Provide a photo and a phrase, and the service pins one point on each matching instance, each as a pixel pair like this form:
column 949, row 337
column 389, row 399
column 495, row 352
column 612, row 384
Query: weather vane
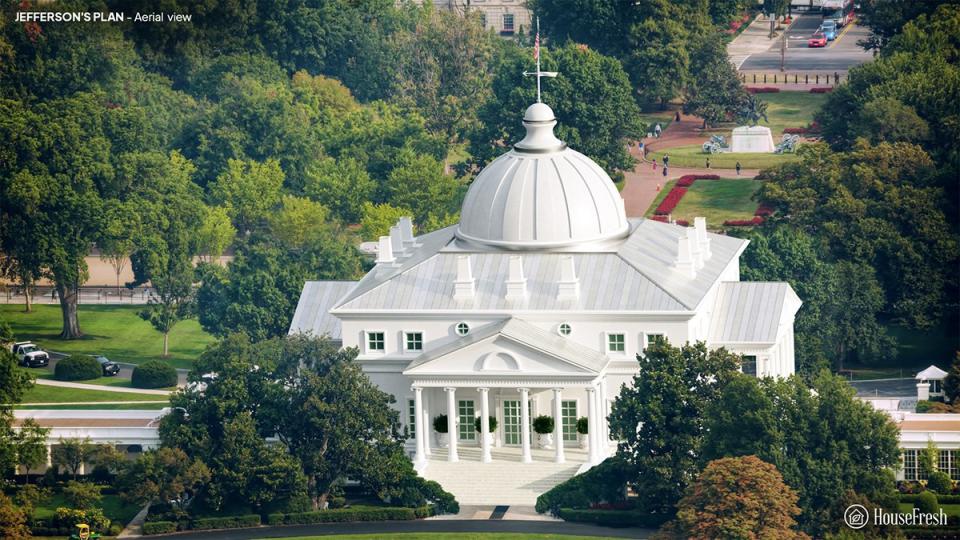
column 536, row 56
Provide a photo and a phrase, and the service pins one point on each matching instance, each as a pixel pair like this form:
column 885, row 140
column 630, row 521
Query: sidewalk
column 753, row 40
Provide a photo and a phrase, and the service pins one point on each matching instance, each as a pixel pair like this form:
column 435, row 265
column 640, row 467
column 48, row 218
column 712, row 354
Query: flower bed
column 821, row 90
column 682, row 222
column 757, row 220
column 661, row 219
column 359, row 513
column 687, row 180
column 763, row 210
column 794, row 131
column 670, row 201
column 764, row 89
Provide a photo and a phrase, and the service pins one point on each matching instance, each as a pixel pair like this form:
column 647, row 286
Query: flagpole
column 538, row 60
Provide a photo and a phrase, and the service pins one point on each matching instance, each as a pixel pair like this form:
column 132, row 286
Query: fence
column 85, row 295
column 830, row 79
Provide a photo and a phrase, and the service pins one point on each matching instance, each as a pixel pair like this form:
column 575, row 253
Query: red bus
column 839, row 11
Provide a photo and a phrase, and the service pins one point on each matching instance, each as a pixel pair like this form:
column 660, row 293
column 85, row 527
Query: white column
column 525, row 425
column 592, row 443
column 49, row 456
column 604, row 412
column 558, row 425
column 452, row 430
column 484, row 425
column 427, row 424
column 419, row 425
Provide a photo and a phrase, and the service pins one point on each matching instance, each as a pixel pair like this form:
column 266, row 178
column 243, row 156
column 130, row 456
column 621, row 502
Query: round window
column 565, row 329
column 463, row 329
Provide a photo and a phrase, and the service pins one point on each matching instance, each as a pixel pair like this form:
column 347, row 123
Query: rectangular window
column 568, row 415
column 947, row 463
column 652, row 338
column 511, row 422
column 376, row 341
column 483, row 20
column 467, row 415
column 616, row 343
column 414, row 341
column 910, row 469
column 508, row 23
column 411, row 418
column 749, row 365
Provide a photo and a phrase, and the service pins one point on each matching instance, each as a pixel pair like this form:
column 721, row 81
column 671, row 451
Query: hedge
column 79, row 367
column 613, row 518
column 943, row 499
column 159, row 527
column 763, row 89
column 931, row 533
column 357, row 513
column 228, row 522
column 821, row 90
column 153, row 374
column 757, row 220
column 605, row 483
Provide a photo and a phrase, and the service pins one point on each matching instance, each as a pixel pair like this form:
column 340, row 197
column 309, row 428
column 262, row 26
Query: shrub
column 757, row 220
column 583, row 425
column 821, row 90
column 227, row 522
column 79, row 367
column 543, row 424
column 159, row 527
column 605, row 483
column 795, row 131
column 68, row 517
column 82, row 495
column 763, row 89
column 154, row 374
column 613, row 518
column 763, row 210
column 440, row 424
column 492, row 425
column 345, row 515
column 940, row 483
column 927, row 502
column 682, row 222
column 670, row 202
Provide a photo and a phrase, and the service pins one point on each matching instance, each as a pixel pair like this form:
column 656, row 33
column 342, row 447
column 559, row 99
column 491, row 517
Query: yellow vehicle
column 83, row 533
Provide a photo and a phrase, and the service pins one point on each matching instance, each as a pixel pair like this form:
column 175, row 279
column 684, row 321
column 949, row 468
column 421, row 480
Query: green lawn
column 948, row 509
column 115, row 381
column 98, row 407
column 716, row 200
column 55, row 394
column 115, row 331
column 790, row 109
column 650, row 119
column 693, row 156
column 113, row 507
column 444, row 536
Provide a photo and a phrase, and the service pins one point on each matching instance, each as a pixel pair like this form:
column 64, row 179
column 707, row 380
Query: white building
column 543, row 293
column 506, row 17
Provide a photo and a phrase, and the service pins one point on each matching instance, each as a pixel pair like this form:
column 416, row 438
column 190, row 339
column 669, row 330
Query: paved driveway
column 840, row 55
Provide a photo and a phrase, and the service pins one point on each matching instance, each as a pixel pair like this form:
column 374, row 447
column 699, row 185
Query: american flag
column 536, row 47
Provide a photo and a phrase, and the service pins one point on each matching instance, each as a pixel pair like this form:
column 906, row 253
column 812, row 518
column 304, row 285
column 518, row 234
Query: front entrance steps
column 505, row 481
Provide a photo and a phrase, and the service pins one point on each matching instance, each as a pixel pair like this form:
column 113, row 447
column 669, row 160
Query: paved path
column 126, row 370
column 753, row 40
column 388, row 528
column 134, row 529
column 642, row 184
column 85, row 403
column 102, row 388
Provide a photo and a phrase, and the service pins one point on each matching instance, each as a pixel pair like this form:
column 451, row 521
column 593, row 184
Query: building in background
column 506, row 17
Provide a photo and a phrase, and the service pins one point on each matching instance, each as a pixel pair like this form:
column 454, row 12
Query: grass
column 115, row 331
column 948, row 509
column 56, row 394
column 444, row 536
column 915, row 351
column 98, row 407
column 113, row 507
column 693, row 156
column 790, row 109
column 650, row 119
column 116, row 381
column 716, row 200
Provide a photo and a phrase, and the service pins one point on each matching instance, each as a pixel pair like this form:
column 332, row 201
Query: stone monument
column 752, row 138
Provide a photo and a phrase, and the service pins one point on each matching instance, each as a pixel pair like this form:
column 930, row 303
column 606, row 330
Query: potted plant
column 543, row 426
column 440, row 426
column 491, row 427
column 582, row 430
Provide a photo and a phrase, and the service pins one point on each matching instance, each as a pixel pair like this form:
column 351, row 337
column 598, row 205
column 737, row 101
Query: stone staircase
column 506, row 481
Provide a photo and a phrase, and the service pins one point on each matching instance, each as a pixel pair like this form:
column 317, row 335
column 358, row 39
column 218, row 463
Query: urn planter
column 545, row 441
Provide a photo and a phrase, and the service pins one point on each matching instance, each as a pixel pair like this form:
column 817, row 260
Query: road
column 126, row 370
column 839, row 55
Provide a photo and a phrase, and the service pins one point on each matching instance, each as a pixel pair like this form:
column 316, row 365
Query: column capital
column 591, row 389
column 527, row 390
column 483, row 390
column 416, row 387
column 558, row 389
column 449, row 389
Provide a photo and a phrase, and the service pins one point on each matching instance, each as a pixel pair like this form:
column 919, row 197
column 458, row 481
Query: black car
column 109, row 368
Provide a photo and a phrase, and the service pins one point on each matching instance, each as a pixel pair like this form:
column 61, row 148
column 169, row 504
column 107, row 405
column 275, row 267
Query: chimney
column 685, row 263
column 700, row 224
column 569, row 288
column 695, row 248
column 385, row 251
column 406, row 232
column 463, row 285
column 396, row 240
column 516, row 283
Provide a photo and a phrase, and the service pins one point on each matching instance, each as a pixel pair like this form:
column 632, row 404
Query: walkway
column 755, row 39
column 641, row 184
column 102, row 388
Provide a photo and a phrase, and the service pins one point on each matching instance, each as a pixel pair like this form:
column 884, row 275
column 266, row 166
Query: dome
column 541, row 194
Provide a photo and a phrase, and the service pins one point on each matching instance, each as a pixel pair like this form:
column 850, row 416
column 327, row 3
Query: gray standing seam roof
column 313, row 309
column 749, row 312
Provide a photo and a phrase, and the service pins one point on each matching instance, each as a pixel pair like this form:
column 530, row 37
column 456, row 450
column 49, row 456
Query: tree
column 929, row 458
column 13, row 520
column 659, row 419
column 739, row 497
column 14, row 382
column 342, row 185
column 117, row 239
column 248, row 190
column 31, row 446
column 951, row 384
column 378, row 218
column 72, row 454
column 215, row 234
column 741, row 421
column 417, row 182
column 165, row 474
column 714, row 92
column 82, row 495
column 887, row 18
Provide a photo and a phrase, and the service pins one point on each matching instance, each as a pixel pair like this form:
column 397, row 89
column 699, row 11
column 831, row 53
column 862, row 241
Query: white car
column 29, row 355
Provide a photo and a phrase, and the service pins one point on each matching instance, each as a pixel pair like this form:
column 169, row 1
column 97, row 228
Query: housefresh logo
column 856, row 516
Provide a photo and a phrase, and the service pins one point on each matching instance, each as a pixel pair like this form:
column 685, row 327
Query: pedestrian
column 654, row 163
column 642, row 148
column 708, row 163
column 738, row 168
column 657, row 129
column 677, row 118
column 664, row 170
column 658, row 186
column 666, row 160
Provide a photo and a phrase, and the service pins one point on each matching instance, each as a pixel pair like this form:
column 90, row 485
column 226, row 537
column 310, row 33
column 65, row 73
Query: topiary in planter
column 927, row 502
column 440, row 424
column 154, row 374
column 79, row 367
column 492, row 424
column 582, row 425
column 543, row 424
column 940, row 482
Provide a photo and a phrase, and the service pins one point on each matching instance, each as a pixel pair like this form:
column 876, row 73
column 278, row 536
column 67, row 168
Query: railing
column 85, row 295
column 829, row 79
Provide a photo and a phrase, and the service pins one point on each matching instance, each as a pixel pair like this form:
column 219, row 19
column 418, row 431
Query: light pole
column 783, row 51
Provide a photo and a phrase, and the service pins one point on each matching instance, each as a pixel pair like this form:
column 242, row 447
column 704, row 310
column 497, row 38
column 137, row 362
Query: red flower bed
column 795, row 131
column 661, row 219
column 763, row 210
column 671, row 200
column 814, row 127
column 682, row 223
column 821, row 90
column 687, row 180
column 764, row 89
column 757, row 220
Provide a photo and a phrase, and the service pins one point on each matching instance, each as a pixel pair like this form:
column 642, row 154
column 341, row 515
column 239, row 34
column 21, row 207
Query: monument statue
column 752, row 111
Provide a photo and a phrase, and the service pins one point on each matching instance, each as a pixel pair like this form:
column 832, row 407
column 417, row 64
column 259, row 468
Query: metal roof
column 524, row 333
column 637, row 276
column 313, row 310
column 931, row 373
column 751, row 312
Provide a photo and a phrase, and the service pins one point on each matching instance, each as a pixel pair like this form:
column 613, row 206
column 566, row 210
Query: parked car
column 109, row 367
column 817, row 40
column 29, row 355
column 829, row 29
